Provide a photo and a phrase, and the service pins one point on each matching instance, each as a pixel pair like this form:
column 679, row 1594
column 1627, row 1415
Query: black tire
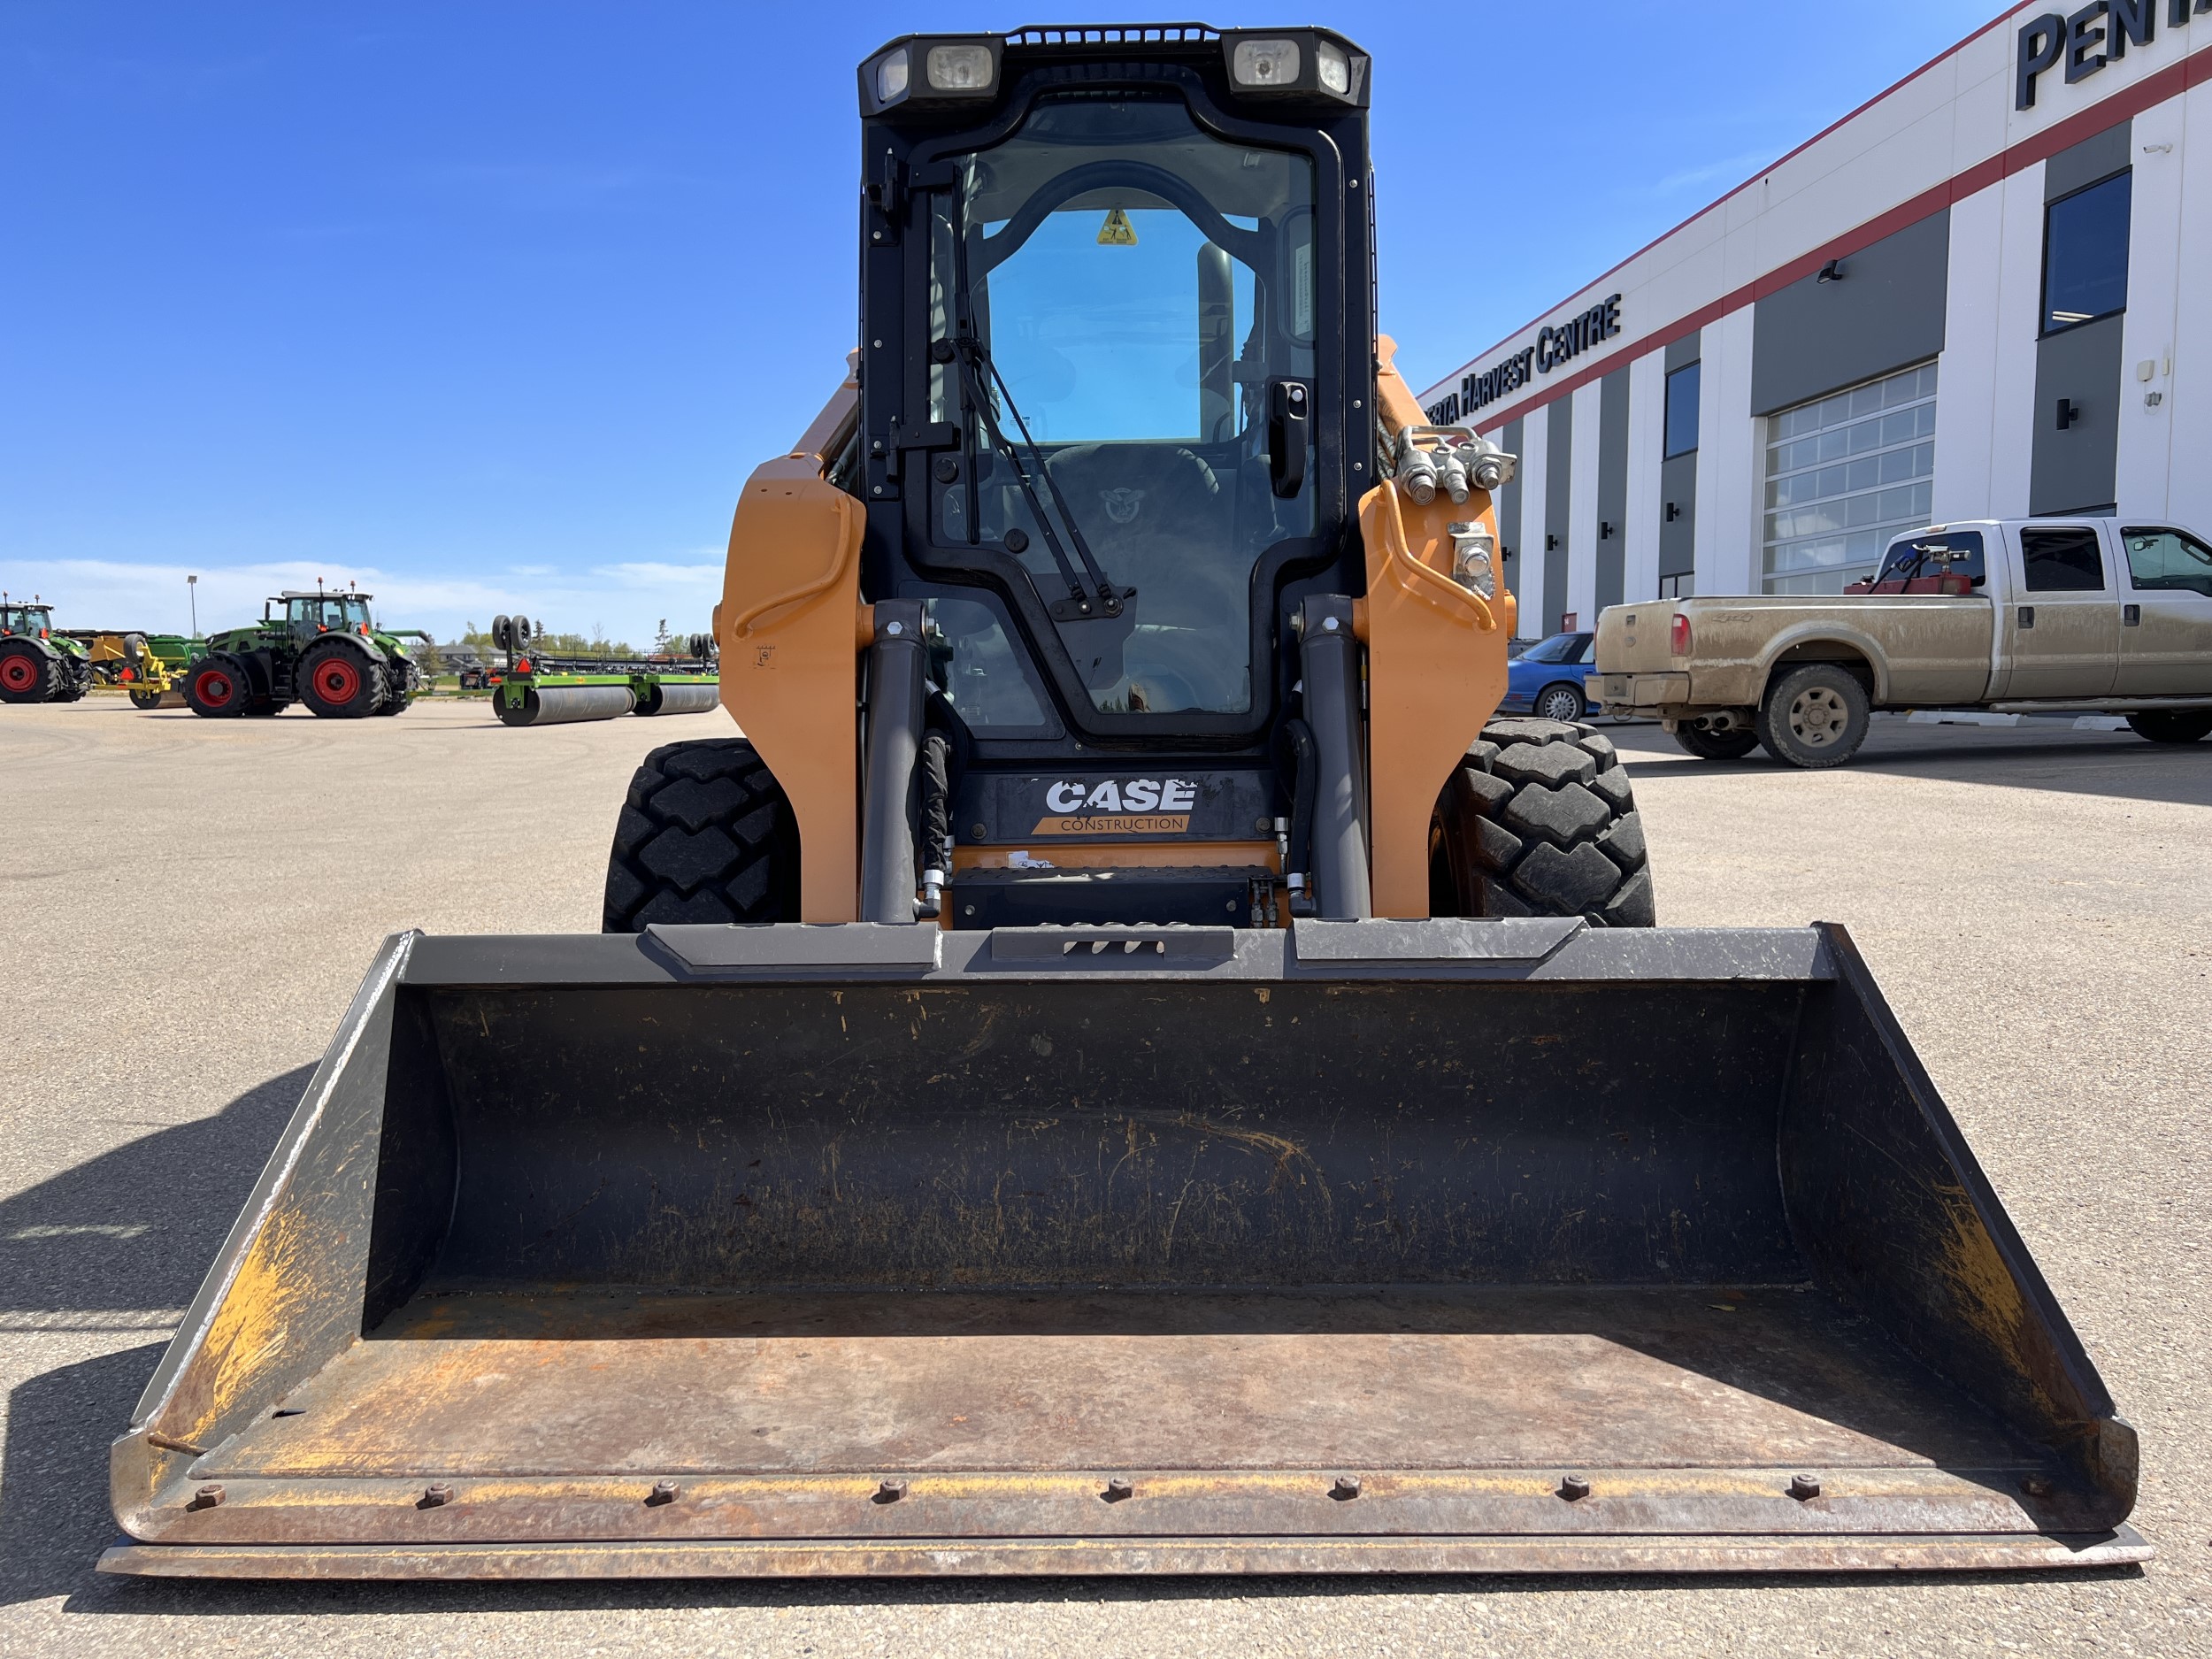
column 401, row 681
column 339, row 682
column 27, row 673
column 216, row 688
column 2171, row 726
column 1563, row 701
column 1540, row 821
column 1732, row 745
column 72, row 679
column 1815, row 716
column 706, row 836
column 145, row 699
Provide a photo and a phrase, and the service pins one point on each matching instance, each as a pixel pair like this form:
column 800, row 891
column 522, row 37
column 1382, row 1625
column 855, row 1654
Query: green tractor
column 320, row 649
column 36, row 663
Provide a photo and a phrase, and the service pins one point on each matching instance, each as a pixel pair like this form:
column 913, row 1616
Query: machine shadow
column 2115, row 764
column 116, row 1244
column 230, row 1599
column 134, row 1229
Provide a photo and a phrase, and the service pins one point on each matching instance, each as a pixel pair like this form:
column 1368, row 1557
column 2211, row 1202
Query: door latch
column 2131, row 616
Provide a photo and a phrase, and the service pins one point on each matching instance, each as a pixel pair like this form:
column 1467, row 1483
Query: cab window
column 1928, row 553
column 2061, row 559
column 2162, row 560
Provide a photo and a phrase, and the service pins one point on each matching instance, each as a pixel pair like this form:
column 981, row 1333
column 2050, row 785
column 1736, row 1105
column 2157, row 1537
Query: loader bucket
column 1500, row 1246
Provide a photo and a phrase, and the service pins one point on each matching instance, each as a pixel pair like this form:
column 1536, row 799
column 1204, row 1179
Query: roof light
column 892, row 73
column 1264, row 63
column 959, row 68
column 1335, row 68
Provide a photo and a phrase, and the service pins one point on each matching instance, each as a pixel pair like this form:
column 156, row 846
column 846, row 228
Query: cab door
column 2166, row 614
column 2061, row 624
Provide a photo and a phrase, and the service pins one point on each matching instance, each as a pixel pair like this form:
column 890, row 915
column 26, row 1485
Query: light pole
column 192, row 594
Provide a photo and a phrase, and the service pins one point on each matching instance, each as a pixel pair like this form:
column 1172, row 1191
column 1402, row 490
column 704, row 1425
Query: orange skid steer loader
column 1171, row 1084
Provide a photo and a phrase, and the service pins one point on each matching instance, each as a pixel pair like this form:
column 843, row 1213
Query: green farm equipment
column 321, row 649
column 534, row 689
column 36, row 663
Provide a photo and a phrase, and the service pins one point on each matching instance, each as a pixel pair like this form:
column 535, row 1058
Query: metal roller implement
column 679, row 698
column 558, row 705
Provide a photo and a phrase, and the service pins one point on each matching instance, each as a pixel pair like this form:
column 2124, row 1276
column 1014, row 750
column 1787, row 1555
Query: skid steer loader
column 1126, row 1066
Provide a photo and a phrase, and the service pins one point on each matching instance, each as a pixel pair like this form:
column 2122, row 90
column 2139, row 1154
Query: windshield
column 327, row 610
column 1139, row 297
column 1561, row 648
column 26, row 618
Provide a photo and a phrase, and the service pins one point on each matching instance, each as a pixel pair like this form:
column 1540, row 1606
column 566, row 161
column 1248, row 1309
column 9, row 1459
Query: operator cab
column 325, row 613
column 31, row 621
column 1112, row 314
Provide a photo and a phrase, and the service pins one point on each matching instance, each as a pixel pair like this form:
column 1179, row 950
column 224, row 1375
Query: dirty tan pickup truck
column 2087, row 615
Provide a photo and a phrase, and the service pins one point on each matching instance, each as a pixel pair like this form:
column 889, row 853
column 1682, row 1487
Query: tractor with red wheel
column 36, row 663
column 322, row 649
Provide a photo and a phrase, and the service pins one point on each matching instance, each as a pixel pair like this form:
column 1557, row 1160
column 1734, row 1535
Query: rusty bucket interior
column 1668, row 1261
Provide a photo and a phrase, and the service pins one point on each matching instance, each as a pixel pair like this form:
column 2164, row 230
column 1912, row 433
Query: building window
column 2086, row 255
column 1682, row 587
column 1682, row 411
column 1843, row 476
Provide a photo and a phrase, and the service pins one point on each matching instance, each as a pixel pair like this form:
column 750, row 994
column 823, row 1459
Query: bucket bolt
column 889, row 1491
column 2035, row 1486
column 1116, row 1489
column 1803, row 1487
column 1574, row 1488
column 207, row 1497
column 1345, row 1489
column 435, row 1496
column 664, row 1492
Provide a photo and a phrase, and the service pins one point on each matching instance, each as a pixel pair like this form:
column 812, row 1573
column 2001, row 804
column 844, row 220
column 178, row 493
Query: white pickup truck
column 2024, row 615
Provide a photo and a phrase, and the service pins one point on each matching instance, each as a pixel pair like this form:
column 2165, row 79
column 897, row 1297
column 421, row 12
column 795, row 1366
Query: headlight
column 959, row 68
column 1311, row 63
column 891, row 77
column 924, row 74
column 1270, row 64
column 1335, row 68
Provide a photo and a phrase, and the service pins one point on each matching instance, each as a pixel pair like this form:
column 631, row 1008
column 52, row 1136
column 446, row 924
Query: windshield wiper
column 973, row 356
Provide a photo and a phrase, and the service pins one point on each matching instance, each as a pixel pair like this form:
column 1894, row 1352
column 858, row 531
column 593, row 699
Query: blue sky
column 494, row 305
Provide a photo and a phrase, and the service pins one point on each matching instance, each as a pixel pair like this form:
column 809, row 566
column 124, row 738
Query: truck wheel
column 338, row 683
column 1561, row 701
column 1540, row 821
column 1732, row 745
column 215, row 688
column 2171, row 726
column 1815, row 716
column 706, row 836
column 27, row 674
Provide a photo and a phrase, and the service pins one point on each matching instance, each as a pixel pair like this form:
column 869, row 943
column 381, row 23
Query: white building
column 1984, row 294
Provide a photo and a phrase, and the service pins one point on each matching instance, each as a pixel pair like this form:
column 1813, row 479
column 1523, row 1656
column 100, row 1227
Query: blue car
column 1549, row 678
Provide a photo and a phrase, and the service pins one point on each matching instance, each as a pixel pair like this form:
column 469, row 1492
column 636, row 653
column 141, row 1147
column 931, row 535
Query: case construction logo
column 1120, row 806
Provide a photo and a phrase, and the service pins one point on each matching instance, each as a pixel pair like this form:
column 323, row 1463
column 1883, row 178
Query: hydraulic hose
column 935, row 773
column 1297, row 737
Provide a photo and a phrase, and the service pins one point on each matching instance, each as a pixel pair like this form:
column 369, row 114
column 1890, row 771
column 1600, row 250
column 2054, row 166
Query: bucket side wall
column 1888, row 1202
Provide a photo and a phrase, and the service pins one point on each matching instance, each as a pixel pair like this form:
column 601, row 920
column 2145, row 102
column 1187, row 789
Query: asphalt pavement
column 186, row 907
